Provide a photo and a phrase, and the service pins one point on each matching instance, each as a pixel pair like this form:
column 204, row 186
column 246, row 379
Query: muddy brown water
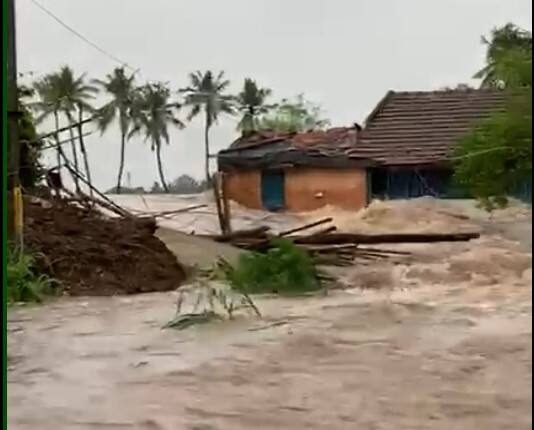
column 445, row 343
column 345, row 361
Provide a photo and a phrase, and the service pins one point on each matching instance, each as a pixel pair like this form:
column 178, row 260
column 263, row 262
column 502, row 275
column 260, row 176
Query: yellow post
column 18, row 216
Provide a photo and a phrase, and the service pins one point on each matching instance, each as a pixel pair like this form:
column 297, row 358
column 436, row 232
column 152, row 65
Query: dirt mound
column 94, row 255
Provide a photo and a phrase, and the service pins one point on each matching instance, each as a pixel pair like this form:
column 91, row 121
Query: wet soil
column 93, row 255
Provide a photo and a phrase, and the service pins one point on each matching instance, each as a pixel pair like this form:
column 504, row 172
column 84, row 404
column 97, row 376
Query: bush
column 24, row 283
column 283, row 269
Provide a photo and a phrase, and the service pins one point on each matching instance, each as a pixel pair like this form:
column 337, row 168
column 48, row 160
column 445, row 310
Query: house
column 403, row 151
column 296, row 171
column 411, row 134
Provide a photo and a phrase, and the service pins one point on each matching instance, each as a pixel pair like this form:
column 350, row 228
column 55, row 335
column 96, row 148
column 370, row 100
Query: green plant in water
column 24, row 283
column 283, row 269
column 210, row 301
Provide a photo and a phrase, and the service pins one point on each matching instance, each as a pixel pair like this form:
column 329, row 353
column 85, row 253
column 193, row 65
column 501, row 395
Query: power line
column 82, row 37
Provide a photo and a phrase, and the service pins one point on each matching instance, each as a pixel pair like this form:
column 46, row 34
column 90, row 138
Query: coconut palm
column 153, row 112
column 48, row 104
column 63, row 93
column 120, row 87
column 504, row 41
column 206, row 93
column 76, row 97
column 251, row 102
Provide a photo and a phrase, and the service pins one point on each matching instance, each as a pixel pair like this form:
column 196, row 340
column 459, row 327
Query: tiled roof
column 405, row 128
column 421, row 127
column 333, row 137
column 314, row 148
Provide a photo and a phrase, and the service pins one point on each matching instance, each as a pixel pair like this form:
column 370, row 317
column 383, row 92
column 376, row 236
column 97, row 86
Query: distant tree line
column 184, row 184
column 491, row 158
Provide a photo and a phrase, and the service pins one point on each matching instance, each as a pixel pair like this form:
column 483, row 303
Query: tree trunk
column 58, row 146
column 160, row 167
column 207, row 149
column 84, row 152
column 121, row 162
column 74, row 156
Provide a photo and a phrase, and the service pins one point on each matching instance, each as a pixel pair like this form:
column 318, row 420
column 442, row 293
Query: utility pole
column 15, row 195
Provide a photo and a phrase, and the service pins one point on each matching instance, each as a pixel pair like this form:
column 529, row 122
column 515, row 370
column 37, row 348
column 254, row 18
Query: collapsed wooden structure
column 329, row 247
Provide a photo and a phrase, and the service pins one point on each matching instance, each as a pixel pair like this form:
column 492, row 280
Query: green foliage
column 62, row 92
column 496, row 156
column 210, row 301
column 206, row 94
column 153, row 113
column 294, row 116
column 251, row 103
column 121, row 89
column 185, row 184
column 31, row 170
column 283, row 269
column 24, row 283
column 504, row 43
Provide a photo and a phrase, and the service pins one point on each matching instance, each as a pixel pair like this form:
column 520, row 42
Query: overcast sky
column 342, row 54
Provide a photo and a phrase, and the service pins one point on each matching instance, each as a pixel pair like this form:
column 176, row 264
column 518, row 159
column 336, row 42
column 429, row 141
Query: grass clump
column 209, row 301
column 284, row 269
column 218, row 294
column 24, row 283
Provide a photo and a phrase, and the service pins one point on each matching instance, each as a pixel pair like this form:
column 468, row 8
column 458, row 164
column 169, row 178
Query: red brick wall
column 244, row 187
column 305, row 188
column 311, row 188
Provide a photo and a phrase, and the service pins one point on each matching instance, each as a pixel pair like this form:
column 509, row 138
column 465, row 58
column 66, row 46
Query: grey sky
column 343, row 54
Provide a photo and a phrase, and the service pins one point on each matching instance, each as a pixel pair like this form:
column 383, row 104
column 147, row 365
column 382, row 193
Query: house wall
column 412, row 182
column 311, row 188
column 244, row 187
column 305, row 188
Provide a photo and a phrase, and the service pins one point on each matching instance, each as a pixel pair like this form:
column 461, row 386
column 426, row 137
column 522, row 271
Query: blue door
column 272, row 190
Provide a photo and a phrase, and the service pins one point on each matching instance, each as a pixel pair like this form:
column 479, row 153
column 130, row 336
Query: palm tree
column 152, row 113
column 206, row 93
column 121, row 88
column 251, row 103
column 63, row 93
column 76, row 96
column 503, row 42
column 48, row 103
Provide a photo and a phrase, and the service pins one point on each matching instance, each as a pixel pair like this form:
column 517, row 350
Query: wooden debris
column 222, row 203
column 163, row 214
column 330, row 248
column 340, row 238
column 255, row 233
column 305, row 227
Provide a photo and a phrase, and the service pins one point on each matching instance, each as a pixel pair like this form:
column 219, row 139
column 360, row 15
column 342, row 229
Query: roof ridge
column 451, row 90
column 378, row 108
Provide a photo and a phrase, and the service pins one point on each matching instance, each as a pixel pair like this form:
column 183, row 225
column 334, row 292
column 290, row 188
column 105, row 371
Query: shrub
column 24, row 283
column 283, row 269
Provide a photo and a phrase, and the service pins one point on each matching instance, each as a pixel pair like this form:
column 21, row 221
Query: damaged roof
column 405, row 128
column 409, row 128
column 318, row 148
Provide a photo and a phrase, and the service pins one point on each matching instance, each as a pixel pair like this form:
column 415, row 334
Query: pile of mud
column 94, row 255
